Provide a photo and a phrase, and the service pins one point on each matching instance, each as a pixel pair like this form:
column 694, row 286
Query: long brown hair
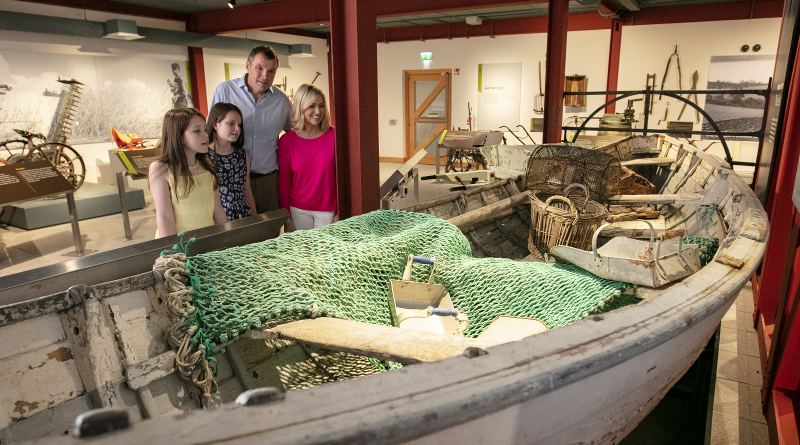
column 176, row 121
column 215, row 116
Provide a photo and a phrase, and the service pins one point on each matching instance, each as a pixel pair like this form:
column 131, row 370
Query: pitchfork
column 538, row 100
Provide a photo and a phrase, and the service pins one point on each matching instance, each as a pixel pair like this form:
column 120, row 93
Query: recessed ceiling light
column 231, row 3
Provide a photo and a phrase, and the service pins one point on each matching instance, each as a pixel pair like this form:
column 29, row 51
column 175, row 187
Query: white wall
column 584, row 56
column 644, row 49
column 99, row 167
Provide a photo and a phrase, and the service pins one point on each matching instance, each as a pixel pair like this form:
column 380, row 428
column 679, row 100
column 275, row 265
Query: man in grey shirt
column 266, row 111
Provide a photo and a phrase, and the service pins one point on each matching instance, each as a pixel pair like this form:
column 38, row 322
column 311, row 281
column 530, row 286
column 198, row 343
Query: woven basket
column 556, row 219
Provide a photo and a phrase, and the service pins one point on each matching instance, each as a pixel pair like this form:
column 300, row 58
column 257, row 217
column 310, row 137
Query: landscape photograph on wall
column 737, row 112
column 129, row 94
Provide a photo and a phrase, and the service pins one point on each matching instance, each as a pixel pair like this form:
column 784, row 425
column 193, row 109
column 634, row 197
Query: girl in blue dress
column 226, row 139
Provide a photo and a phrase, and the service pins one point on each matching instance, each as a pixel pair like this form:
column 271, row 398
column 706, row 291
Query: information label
column 681, row 126
column 137, row 162
column 28, row 180
column 470, row 139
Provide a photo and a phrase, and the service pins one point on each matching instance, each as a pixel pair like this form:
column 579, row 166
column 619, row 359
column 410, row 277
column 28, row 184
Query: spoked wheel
column 12, row 150
column 458, row 161
column 465, row 160
column 66, row 160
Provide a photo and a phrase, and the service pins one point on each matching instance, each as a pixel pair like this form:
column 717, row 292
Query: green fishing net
column 344, row 269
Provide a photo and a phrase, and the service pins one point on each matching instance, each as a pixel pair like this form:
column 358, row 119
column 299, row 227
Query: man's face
column 176, row 72
column 260, row 73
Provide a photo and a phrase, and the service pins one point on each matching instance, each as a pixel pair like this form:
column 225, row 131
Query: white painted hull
column 590, row 382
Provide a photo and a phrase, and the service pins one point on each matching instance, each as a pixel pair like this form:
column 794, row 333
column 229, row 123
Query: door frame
column 408, row 104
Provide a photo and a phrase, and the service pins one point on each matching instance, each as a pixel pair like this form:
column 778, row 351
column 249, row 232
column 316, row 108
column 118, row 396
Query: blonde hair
column 303, row 98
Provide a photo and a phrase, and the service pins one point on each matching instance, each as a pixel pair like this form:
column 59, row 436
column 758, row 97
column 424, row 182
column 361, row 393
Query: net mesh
column 553, row 167
column 344, row 269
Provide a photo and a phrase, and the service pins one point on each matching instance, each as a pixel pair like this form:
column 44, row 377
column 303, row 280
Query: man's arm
column 287, row 126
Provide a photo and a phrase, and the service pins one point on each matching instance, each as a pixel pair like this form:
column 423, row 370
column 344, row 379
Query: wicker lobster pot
column 564, row 218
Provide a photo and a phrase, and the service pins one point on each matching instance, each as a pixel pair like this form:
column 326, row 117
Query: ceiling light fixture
column 231, row 3
column 300, row 50
column 119, row 29
column 474, row 20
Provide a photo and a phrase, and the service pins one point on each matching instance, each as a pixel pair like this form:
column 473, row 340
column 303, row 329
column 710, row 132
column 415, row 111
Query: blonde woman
column 307, row 179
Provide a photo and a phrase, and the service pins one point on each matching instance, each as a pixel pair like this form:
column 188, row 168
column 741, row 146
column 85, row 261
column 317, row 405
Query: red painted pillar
column 780, row 205
column 555, row 63
column 355, row 89
column 613, row 63
column 197, row 73
column 330, row 82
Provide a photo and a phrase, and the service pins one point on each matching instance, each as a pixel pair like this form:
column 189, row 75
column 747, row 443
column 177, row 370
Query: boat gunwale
column 607, row 340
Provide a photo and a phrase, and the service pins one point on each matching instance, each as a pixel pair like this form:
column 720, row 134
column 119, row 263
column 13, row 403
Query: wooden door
column 427, row 110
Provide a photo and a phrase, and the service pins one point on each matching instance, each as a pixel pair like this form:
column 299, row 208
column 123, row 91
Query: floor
column 737, row 416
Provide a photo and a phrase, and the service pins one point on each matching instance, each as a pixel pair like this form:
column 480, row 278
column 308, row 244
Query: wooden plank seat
column 382, row 342
column 648, row 161
column 712, row 195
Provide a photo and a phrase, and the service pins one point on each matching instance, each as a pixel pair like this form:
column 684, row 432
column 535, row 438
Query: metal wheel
column 457, row 161
column 66, row 160
column 12, row 148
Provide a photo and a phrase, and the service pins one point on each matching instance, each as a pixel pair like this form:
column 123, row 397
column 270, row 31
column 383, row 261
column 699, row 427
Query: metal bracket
column 260, row 396
column 101, row 421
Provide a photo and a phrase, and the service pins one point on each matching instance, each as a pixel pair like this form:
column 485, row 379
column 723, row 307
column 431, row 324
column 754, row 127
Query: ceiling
column 495, row 13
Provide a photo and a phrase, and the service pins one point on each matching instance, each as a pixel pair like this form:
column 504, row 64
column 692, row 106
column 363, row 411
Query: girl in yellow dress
column 182, row 180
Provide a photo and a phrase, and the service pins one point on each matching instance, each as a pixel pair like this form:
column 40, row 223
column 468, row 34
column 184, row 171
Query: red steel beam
column 291, row 13
column 117, row 8
column 613, row 63
column 355, row 83
column 522, row 25
column 197, row 71
column 777, row 258
column 413, row 7
column 705, row 13
column 557, row 22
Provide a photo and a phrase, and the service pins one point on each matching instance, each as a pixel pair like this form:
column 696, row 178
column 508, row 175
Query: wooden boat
column 71, row 349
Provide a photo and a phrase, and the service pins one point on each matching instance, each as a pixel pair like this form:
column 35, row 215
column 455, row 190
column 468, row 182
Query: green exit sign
column 426, row 56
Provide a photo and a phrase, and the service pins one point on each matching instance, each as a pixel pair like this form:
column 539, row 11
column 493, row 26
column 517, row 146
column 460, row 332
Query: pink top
column 307, row 172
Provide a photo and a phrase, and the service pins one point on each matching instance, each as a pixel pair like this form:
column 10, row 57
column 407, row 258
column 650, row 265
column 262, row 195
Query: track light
column 231, row 3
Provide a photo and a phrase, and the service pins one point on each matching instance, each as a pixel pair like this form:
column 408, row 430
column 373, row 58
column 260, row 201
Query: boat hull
column 590, row 382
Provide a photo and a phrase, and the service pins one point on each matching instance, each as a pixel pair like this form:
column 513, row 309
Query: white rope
column 190, row 358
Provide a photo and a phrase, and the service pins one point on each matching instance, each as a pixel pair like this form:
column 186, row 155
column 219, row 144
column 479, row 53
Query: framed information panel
column 137, row 162
column 28, row 180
